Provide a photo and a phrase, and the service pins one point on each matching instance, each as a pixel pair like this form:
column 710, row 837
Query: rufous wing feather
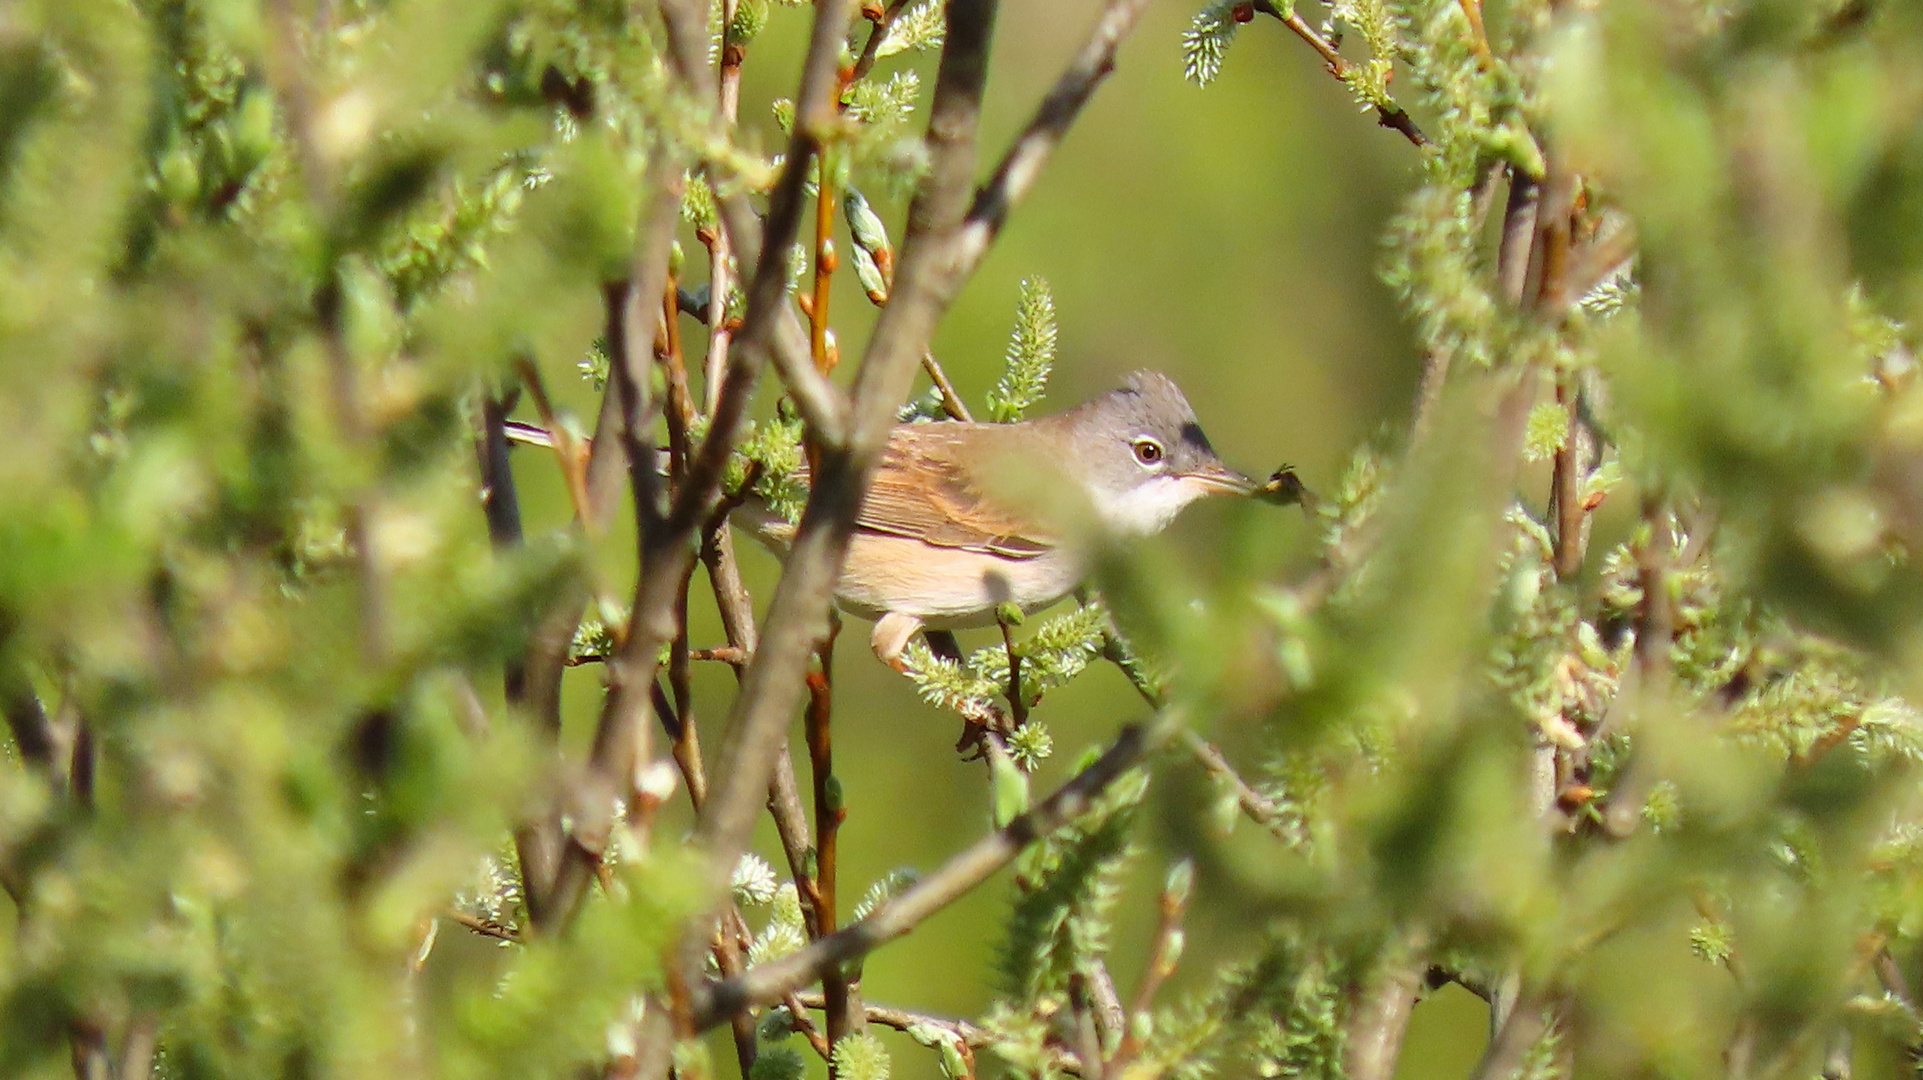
column 924, row 490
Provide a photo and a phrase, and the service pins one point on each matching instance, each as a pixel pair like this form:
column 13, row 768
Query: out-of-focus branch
column 32, row 729
column 1022, row 164
column 1525, row 1025
column 1655, row 633
column 1518, row 234
column 1378, row 1021
column 1163, row 955
column 766, row 983
column 621, row 734
column 1259, row 810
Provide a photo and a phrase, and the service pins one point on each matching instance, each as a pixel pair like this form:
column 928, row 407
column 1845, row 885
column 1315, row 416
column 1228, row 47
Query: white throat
column 1146, row 508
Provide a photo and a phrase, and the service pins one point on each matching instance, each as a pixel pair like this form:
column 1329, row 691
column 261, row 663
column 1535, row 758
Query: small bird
column 942, row 542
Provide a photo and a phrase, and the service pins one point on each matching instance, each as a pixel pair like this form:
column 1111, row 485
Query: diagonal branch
column 767, row 983
column 931, row 269
column 668, row 549
column 1023, row 162
column 1389, row 116
column 797, row 616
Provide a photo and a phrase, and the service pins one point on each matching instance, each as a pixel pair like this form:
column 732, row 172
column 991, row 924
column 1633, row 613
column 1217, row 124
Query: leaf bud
column 1010, row 787
column 178, row 176
column 863, row 223
column 1177, row 941
column 253, row 130
column 1181, row 881
column 870, row 277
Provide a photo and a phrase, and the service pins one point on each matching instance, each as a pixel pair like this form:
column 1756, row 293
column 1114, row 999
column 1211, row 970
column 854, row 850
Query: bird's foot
column 892, row 634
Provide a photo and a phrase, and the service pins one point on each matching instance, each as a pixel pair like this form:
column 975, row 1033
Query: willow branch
column 621, row 734
column 935, row 258
column 1525, row 1025
column 768, row 330
column 797, row 615
column 1259, row 810
column 667, row 548
column 1022, row 164
column 1518, row 233
column 1389, row 116
column 32, row 729
column 871, row 52
column 766, row 983
column 1378, row 1022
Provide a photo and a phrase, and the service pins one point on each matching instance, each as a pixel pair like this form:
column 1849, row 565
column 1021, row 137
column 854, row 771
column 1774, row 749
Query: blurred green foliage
column 1636, row 764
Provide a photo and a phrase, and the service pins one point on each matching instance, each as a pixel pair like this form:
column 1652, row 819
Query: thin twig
column 1017, row 704
column 798, row 1020
column 798, row 613
column 1567, row 474
column 951, row 402
column 1164, row 954
column 1022, row 164
column 684, row 736
column 819, row 721
column 568, row 454
column 871, row 51
column 667, row 548
column 733, row 55
column 1518, row 234
column 483, row 927
column 1259, row 810
column 766, row 983
column 1389, row 116
column 825, row 263
column 1478, row 37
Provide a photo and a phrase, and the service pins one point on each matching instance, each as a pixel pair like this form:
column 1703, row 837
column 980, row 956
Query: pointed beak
column 1222, row 480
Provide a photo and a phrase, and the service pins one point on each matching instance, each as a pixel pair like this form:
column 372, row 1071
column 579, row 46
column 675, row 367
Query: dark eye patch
column 1192, row 436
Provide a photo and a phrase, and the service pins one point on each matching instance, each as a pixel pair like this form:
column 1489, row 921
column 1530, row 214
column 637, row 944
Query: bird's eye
column 1148, row 451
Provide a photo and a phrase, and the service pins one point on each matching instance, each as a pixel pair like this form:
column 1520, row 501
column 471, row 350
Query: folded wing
column 925, row 492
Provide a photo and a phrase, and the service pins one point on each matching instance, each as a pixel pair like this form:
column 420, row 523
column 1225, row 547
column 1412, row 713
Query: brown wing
column 923, row 491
